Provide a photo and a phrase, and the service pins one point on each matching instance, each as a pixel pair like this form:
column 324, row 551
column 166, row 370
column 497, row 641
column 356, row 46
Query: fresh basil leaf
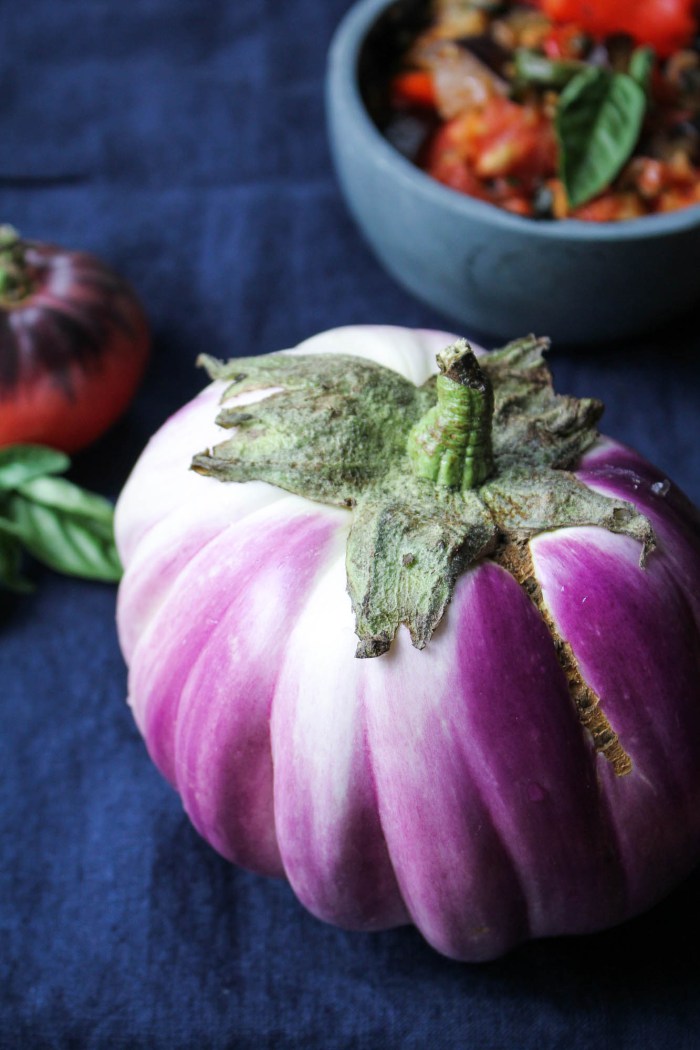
column 598, row 121
column 532, row 67
column 11, row 563
column 641, row 66
column 62, row 495
column 20, row 463
column 57, row 522
column 64, row 537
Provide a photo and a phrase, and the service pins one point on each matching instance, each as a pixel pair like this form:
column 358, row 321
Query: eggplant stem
column 451, row 445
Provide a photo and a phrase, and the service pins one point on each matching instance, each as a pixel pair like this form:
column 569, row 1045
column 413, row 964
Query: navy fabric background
column 184, row 142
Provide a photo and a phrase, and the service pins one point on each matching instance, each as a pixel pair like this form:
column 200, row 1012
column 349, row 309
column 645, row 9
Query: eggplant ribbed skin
column 453, row 787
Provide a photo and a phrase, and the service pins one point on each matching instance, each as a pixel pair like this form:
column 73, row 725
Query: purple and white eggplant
column 428, row 648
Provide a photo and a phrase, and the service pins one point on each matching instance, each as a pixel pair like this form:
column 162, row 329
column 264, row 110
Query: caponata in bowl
column 551, row 109
column 497, row 272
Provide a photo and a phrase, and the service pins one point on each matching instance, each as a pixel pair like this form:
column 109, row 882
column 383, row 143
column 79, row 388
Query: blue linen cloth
column 185, row 144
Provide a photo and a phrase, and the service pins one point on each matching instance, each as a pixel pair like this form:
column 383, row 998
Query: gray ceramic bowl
column 496, row 272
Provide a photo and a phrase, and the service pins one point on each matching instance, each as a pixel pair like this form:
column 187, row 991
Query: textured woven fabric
column 184, row 142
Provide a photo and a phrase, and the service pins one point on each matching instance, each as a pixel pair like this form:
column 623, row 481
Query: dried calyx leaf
column 334, row 425
column 405, row 552
column 527, row 503
column 532, row 424
column 437, row 476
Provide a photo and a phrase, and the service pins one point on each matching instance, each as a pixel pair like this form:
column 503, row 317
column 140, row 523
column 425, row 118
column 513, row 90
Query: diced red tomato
column 673, row 199
column 665, row 25
column 479, row 151
column 445, row 160
column 563, row 41
column 414, row 88
column 507, row 139
column 610, row 207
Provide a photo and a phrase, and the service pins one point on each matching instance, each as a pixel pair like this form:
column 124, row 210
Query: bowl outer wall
column 493, row 271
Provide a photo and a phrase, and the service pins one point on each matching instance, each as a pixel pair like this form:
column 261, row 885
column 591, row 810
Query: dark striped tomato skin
column 73, row 349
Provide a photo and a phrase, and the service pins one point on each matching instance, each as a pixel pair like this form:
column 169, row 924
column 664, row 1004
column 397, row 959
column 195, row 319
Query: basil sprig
column 50, row 518
column 599, row 115
column 642, row 66
column 598, row 120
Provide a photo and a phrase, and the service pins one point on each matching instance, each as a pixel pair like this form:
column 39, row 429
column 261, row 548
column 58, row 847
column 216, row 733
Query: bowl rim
column 342, row 82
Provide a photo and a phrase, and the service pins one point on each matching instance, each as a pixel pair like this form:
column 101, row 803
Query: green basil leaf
column 68, row 533
column 533, row 67
column 641, row 66
column 20, row 463
column 598, row 121
column 11, row 562
column 64, row 496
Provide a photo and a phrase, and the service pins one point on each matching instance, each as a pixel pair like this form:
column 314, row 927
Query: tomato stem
column 14, row 282
column 451, row 445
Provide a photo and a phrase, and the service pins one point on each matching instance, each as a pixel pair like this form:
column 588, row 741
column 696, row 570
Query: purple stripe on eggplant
column 616, row 470
column 532, row 763
column 328, row 826
column 169, row 546
column 438, row 830
column 637, row 646
column 487, row 793
column 205, row 690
